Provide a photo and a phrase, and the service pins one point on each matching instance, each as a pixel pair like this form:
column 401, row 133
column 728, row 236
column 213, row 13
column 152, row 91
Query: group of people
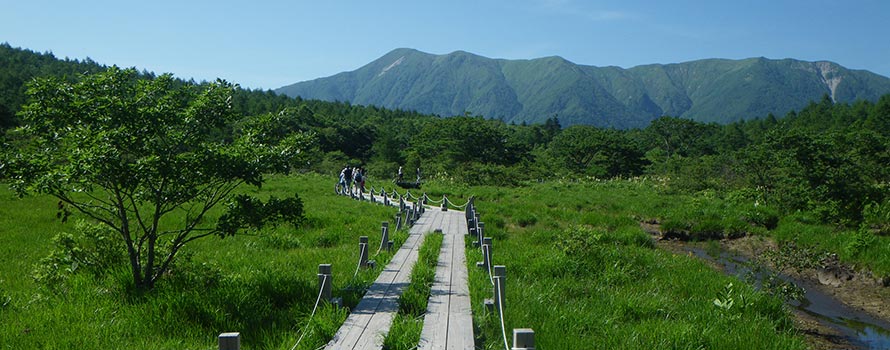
column 352, row 179
column 401, row 175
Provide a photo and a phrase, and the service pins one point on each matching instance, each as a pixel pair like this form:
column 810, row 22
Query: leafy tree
column 682, row 137
column 599, row 152
column 879, row 118
column 127, row 152
column 458, row 140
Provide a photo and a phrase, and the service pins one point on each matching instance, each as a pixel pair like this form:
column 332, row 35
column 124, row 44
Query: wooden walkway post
column 230, row 341
column 486, row 254
column 363, row 251
column 480, row 233
column 500, row 291
column 325, row 281
column 523, row 339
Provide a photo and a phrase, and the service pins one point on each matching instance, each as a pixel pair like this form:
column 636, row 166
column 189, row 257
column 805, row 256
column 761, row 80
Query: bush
column 478, row 174
column 876, row 216
column 525, row 220
column 859, row 242
column 763, row 216
column 92, row 248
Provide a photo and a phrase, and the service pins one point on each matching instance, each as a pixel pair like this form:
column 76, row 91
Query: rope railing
column 394, row 195
column 359, row 265
column 495, row 273
column 490, row 279
column 314, row 308
column 428, row 199
column 459, row 207
column 501, row 316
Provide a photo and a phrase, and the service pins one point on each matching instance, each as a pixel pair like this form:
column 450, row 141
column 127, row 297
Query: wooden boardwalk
column 448, row 322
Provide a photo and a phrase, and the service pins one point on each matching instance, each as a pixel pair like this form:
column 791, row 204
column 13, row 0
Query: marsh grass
column 263, row 284
column 585, row 276
column 579, row 271
column 404, row 334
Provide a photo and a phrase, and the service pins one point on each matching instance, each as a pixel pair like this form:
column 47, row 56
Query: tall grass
column 408, row 323
column 263, row 285
column 579, row 271
column 583, row 275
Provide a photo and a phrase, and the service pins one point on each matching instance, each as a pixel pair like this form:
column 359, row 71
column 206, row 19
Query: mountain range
column 709, row 90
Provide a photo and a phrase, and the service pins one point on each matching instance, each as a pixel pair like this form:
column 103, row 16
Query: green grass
column 579, row 271
column 585, row 276
column 408, row 323
column 263, row 286
column 702, row 216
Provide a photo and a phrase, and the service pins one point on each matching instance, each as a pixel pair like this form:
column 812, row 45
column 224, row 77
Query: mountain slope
column 711, row 90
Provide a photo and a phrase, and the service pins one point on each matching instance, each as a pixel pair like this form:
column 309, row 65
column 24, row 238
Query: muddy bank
column 842, row 308
column 857, row 289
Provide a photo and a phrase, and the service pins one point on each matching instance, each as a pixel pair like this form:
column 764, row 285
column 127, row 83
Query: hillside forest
column 827, row 158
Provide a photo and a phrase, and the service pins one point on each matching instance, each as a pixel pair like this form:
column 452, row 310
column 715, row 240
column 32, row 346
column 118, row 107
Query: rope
column 501, row 315
column 428, row 199
column 460, row 207
column 491, row 279
column 359, row 265
column 314, row 308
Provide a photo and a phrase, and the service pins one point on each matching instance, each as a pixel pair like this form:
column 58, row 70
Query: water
column 859, row 328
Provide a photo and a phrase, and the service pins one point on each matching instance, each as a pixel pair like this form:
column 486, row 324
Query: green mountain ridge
column 532, row 90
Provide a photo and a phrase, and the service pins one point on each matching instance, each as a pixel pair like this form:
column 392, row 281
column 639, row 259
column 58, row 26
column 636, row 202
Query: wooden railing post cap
column 523, row 339
column 324, row 269
column 230, row 341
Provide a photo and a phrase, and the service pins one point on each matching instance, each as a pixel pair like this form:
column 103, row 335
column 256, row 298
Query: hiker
column 400, row 173
column 358, row 180
column 362, row 183
column 341, row 183
column 348, row 176
column 418, row 176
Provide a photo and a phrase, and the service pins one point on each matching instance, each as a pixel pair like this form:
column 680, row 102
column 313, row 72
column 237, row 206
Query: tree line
column 828, row 157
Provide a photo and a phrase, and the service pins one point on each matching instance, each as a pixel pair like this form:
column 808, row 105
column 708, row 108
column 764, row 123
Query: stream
column 859, row 328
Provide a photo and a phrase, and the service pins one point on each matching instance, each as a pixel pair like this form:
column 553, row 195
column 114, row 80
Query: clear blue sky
column 269, row 44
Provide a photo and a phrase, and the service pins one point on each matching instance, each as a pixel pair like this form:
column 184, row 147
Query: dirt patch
column 857, row 289
column 818, row 335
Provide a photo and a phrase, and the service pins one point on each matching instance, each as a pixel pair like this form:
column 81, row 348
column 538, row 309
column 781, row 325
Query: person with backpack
column 357, row 180
column 340, row 188
column 348, row 176
column 362, row 182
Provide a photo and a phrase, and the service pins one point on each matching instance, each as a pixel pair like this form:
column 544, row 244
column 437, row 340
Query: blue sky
column 269, row 44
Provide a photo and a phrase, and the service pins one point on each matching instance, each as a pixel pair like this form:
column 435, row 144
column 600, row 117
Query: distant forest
column 828, row 158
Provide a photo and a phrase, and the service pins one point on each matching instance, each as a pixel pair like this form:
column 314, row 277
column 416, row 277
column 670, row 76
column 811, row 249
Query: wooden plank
column 370, row 320
column 448, row 323
column 460, row 330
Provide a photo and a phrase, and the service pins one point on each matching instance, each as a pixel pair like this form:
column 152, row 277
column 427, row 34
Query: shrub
column 525, row 220
column 490, row 174
column 763, row 216
column 876, row 216
column 92, row 248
